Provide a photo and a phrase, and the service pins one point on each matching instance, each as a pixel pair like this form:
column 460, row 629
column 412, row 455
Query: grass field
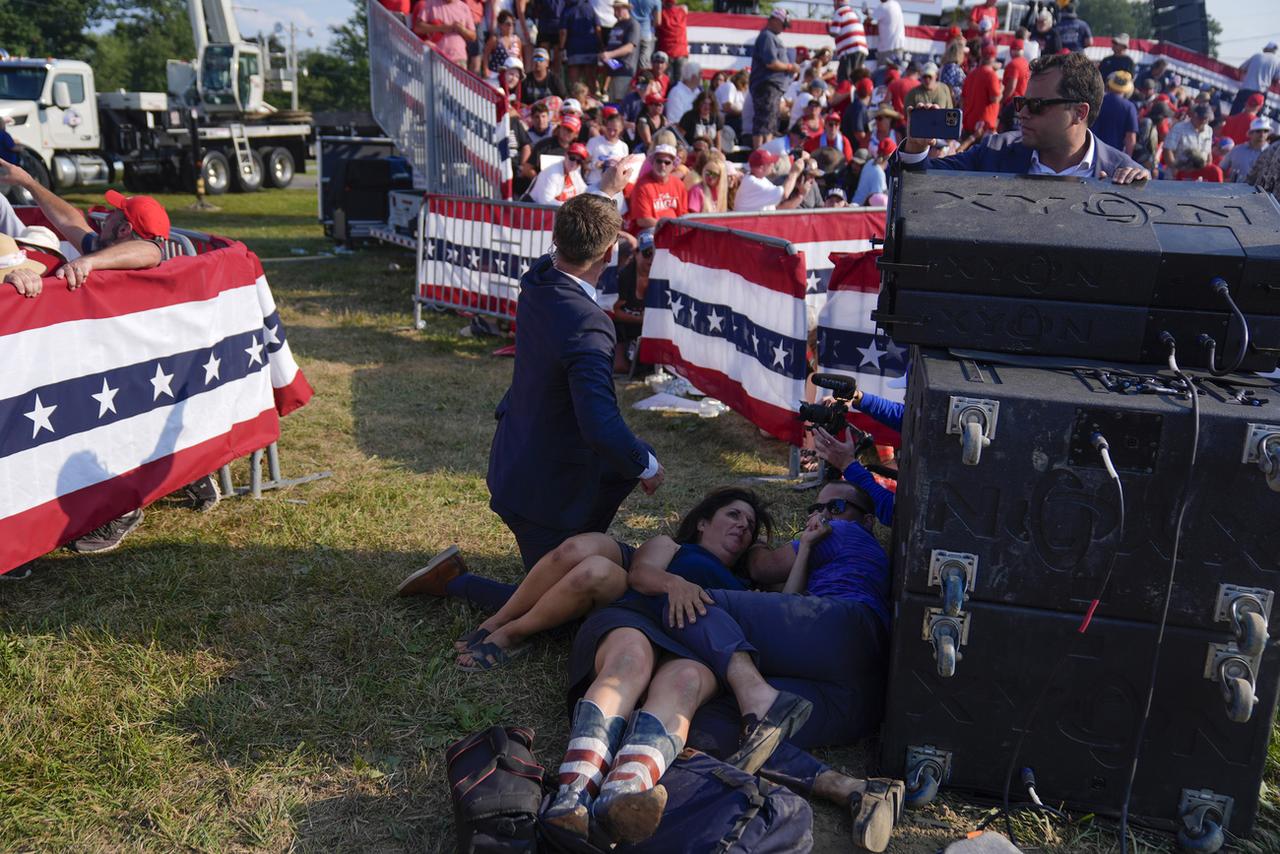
column 247, row 679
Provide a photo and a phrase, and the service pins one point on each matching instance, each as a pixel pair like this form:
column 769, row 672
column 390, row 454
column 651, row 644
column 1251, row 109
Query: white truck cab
column 50, row 106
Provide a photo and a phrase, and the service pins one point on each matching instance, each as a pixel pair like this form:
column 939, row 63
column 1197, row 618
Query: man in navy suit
column 563, row 459
column 1062, row 100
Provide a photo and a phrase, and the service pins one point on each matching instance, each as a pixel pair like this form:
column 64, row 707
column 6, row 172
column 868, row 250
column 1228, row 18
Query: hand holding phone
column 934, row 124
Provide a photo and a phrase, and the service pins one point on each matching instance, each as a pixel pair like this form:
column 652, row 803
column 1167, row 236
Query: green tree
column 59, row 28
column 146, row 35
column 338, row 78
column 1109, row 17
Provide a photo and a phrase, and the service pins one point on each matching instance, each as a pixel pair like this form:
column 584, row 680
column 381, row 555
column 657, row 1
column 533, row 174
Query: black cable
column 1222, row 289
column 1168, row 590
column 1099, row 442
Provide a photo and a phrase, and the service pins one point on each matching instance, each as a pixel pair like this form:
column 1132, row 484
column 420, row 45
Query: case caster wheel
column 1251, row 634
column 922, row 785
column 953, row 584
column 972, row 442
column 1209, row 839
column 946, row 656
column 1238, row 693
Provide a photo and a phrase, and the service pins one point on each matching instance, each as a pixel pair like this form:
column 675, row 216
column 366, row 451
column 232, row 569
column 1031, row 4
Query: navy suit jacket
column 559, row 429
column 1006, row 153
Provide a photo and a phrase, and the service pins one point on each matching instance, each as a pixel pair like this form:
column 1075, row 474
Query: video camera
column 830, row 416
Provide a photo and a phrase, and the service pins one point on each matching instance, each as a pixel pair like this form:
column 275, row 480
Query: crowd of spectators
column 593, row 81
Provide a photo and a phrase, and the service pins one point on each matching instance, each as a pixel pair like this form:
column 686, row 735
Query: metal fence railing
column 448, row 123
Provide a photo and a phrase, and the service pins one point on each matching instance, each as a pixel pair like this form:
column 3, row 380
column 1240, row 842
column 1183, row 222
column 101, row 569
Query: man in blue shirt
column 771, row 71
column 1117, row 122
column 646, row 14
column 1074, row 33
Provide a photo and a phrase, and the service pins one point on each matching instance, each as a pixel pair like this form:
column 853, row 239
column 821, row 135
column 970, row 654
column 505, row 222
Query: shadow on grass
column 275, row 664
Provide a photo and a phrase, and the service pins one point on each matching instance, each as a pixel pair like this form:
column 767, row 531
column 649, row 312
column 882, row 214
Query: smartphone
column 613, row 64
column 934, row 124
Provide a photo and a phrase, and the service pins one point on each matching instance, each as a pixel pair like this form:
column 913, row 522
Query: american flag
column 132, row 386
column 850, row 343
column 727, row 311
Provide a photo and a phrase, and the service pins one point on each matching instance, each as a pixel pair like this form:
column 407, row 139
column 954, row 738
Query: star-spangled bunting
column 40, row 417
column 160, row 383
column 106, row 398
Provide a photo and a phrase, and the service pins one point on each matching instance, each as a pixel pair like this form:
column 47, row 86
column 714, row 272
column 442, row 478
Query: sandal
column 469, row 640
column 488, row 656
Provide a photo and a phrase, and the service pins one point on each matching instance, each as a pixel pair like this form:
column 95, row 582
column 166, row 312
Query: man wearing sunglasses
column 1062, row 100
column 562, row 181
column 659, row 194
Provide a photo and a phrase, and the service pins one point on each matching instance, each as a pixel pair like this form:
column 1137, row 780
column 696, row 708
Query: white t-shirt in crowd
column 602, row 151
column 679, row 101
column 757, row 194
column 893, row 32
column 553, row 187
column 727, row 93
column 797, row 106
column 604, row 13
column 779, row 145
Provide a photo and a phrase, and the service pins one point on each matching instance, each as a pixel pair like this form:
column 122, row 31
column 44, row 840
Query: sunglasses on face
column 577, row 160
column 1036, row 106
column 648, row 253
column 836, row 506
column 663, row 161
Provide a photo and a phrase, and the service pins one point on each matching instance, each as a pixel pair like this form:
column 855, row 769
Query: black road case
column 1006, row 523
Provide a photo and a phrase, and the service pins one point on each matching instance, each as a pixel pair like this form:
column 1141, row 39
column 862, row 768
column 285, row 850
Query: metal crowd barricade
column 472, row 253
column 450, row 124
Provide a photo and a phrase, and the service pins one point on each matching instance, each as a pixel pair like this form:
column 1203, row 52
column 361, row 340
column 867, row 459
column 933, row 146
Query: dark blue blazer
column 559, row 429
column 1006, row 153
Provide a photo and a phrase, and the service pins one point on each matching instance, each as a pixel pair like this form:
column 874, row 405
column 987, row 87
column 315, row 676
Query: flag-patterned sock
column 647, row 750
column 592, row 741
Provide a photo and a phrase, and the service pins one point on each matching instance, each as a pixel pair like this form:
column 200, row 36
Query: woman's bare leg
column 624, row 663
column 631, row 797
column 553, row 566
column 589, row 585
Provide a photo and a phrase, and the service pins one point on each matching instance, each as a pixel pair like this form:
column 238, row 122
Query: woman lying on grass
column 688, row 625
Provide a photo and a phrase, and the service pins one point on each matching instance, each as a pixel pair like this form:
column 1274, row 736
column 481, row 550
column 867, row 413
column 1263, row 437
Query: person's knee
column 629, row 658
column 575, row 550
column 594, row 575
column 687, row 681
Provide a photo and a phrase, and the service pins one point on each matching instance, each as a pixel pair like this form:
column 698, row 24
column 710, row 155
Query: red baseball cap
column 608, row 112
column 761, row 157
column 886, row 147
column 954, row 33
column 865, row 86
column 147, row 216
column 1255, row 100
column 988, row 51
column 578, row 150
column 654, row 98
column 571, row 122
column 1016, row 44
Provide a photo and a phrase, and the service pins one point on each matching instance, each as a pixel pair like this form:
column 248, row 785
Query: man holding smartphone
column 1062, row 100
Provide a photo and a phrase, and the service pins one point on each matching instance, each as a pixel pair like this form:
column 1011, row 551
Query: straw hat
column 14, row 257
column 42, row 238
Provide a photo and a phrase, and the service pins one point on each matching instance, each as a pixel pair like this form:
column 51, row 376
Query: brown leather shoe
column 432, row 578
column 631, row 817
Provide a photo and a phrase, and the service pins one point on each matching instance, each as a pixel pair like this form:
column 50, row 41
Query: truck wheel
column 36, row 168
column 251, row 181
column 217, row 173
column 280, row 168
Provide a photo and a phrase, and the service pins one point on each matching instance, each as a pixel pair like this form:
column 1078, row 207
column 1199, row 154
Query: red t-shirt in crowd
column 1019, row 71
column 673, row 34
column 438, row 12
column 1211, row 173
column 898, row 90
column 400, row 6
column 977, row 13
column 1237, row 127
column 981, row 98
column 651, row 198
column 819, row 140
